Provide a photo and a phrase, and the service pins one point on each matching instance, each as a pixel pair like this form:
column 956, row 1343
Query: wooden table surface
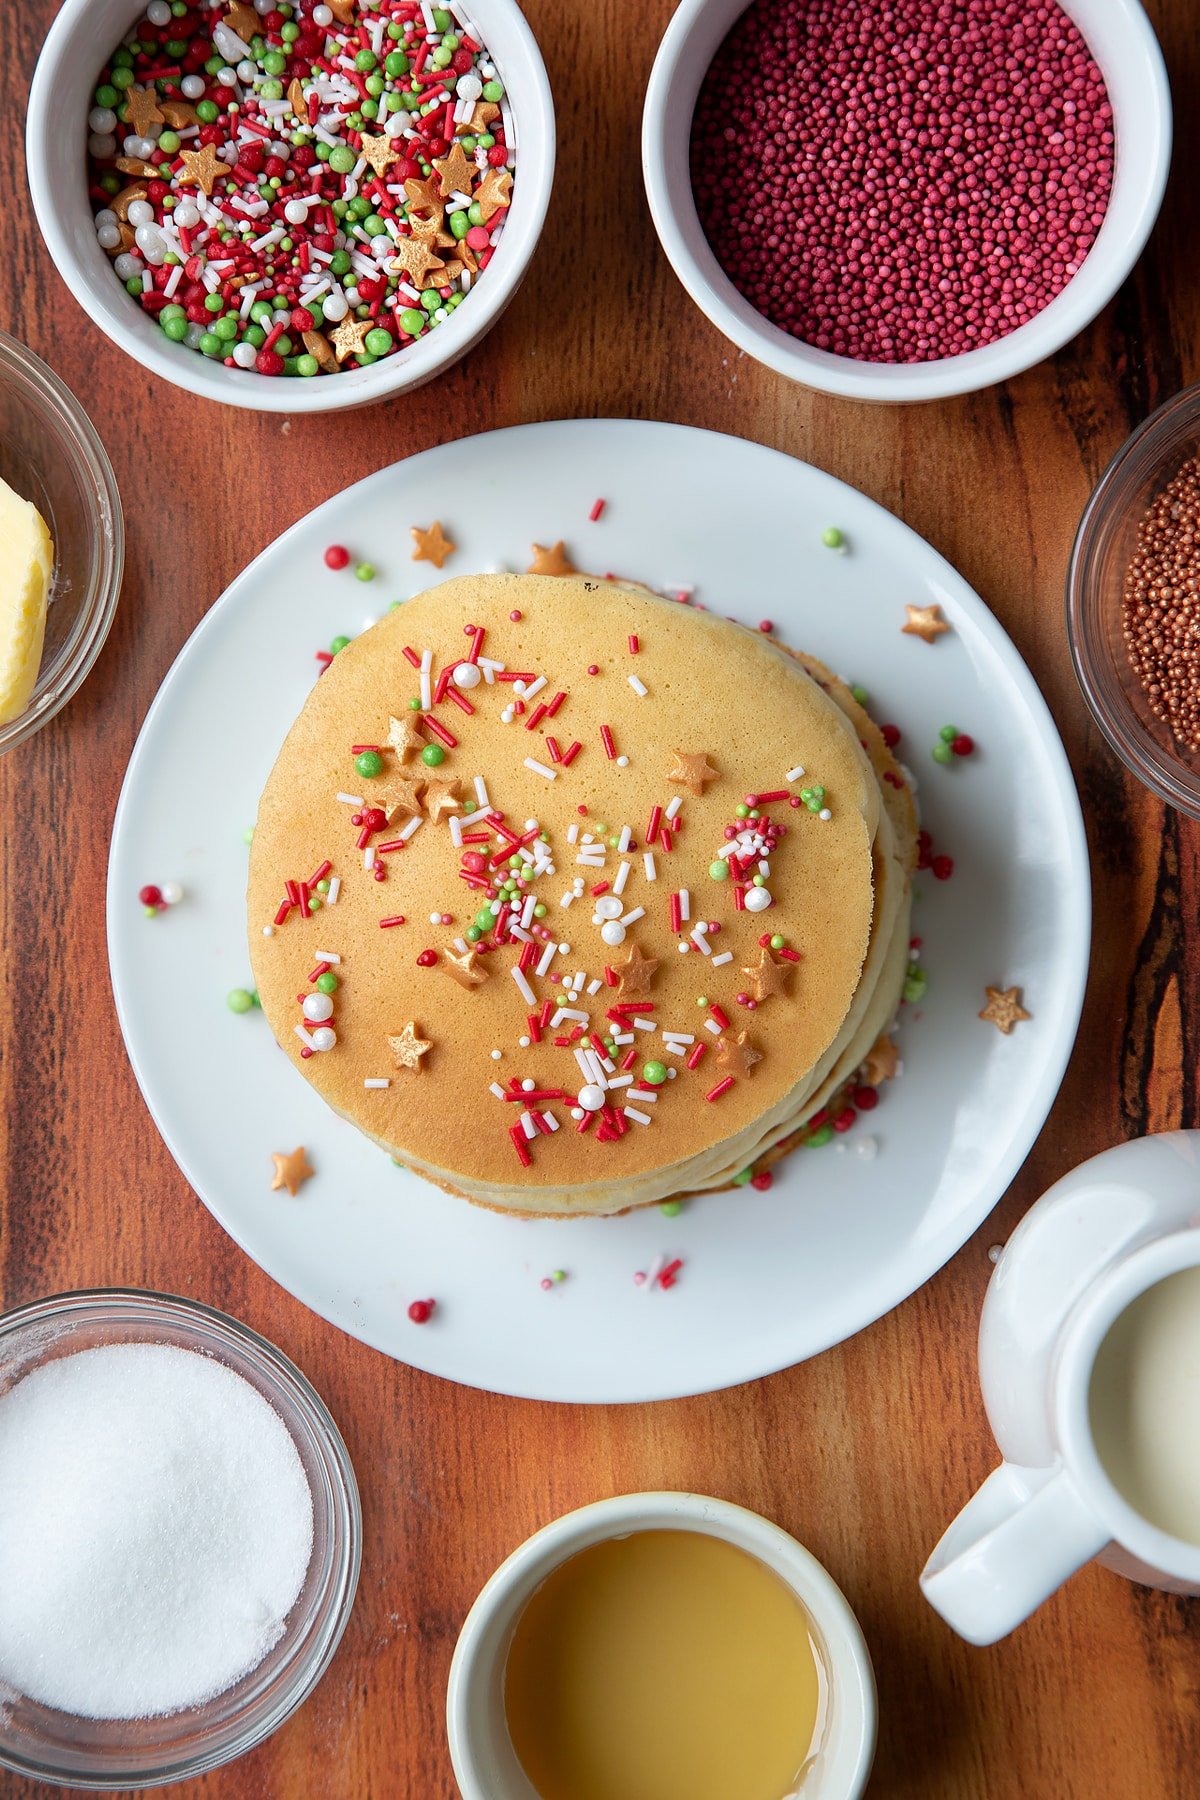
column 868, row 1451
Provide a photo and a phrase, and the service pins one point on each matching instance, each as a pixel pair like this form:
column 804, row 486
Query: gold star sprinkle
column 243, row 19
column 415, row 259
column 925, row 622
column 692, row 772
column 882, row 1061
column 551, row 560
column 454, row 172
column 1004, row 1009
column 405, row 737
column 424, row 197
column 342, row 10
column 350, row 338
column 432, row 545
column 407, row 1048
column 298, row 103
column 400, row 799
column 179, row 114
column 133, row 165
column 142, row 110
column 494, row 193
column 290, row 1171
column 467, row 970
column 380, row 151
column 200, row 168
column 318, row 345
column 636, row 974
column 767, row 978
column 478, row 121
column 737, row 1053
column 441, row 797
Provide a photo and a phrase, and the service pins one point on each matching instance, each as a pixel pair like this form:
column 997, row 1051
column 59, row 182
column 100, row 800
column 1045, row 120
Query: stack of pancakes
column 727, row 716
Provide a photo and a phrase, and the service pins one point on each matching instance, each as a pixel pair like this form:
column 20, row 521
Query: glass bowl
column 108, row 1754
column 1104, row 543
column 50, row 454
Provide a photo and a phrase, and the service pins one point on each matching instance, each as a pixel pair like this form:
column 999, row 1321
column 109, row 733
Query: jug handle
column 1011, row 1546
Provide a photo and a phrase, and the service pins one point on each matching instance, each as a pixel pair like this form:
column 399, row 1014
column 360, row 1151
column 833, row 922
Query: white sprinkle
column 674, row 805
column 700, row 939
column 302, row 1035
column 595, row 986
column 631, row 918
column 268, row 931
column 426, row 688
column 496, row 1055
column 460, row 944
column 622, row 762
column 535, row 687
column 481, row 794
column 335, row 888
column 794, row 774
column 567, row 1012
column 528, row 1126
column 350, row 799
column 527, row 911
column 414, row 825
column 623, row 840
column 572, row 834
column 526, row 992
column 685, row 904
column 540, row 768
column 711, row 1025
column 490, row 671
column 497, row 1090
column 369, row 859
column 642, row 1094
column 678, row 1037
column 639, row 687
column 455, row 823
column 377, row 1081
column 825, row 813
column 645, row 1024
column 618, row 886
column 545, row 959
column 327, row 956
column 623, row 1037
column 648, row 864
column 550, row 1120
column 656, row 1267
column 867, row 1148
column 725, row 956
column 619, row 1081
column 567, row 897
column 631, row 1112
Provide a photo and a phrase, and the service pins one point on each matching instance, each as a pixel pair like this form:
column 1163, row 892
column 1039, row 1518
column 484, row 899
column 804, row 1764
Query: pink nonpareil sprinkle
column 902, row 180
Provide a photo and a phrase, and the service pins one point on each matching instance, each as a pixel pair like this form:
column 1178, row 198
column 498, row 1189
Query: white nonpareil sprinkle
column 157, row 1529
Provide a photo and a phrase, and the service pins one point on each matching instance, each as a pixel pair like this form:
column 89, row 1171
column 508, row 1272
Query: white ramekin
column 485, row 1764
column 1124, row 45
column 78, row 46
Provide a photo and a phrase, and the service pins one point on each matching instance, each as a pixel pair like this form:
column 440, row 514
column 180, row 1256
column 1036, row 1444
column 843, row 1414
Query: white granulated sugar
column 157, row 1524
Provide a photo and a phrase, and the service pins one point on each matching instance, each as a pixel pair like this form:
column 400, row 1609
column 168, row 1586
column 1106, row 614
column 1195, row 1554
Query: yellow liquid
column 668, row 1665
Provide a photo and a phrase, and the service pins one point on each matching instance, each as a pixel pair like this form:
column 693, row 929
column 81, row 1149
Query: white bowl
column 485, row 1763
column 1123, row 43
column 78, row 46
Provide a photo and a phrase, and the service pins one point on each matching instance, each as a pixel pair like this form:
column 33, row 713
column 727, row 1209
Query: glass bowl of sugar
column 1133, row 602
column 182, row 1539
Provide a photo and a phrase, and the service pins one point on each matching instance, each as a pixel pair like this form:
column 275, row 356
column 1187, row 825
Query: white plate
column 768, row 1278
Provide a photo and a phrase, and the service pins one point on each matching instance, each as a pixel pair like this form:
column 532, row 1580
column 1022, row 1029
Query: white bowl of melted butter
column 661, row 1646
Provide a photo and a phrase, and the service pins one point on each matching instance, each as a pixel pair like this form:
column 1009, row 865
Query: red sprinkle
column 634, row 646
column 722, row 1087
column 943, row 867
column 396, row 919
column 421, row 1311
column 762, row 1181
column 337, row 556
column 597, row 510
column 427, row 959
column 606, row 738
column 695, row 1053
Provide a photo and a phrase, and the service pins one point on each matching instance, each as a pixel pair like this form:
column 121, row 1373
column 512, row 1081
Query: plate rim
column 1076, row 953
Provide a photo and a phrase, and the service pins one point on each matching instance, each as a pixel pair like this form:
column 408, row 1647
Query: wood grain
column 864, row 1453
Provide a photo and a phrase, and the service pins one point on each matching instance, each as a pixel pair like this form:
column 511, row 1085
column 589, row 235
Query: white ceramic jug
column 1100, row 1237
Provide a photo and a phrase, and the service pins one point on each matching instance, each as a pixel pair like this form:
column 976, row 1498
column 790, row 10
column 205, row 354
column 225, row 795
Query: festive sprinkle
column 292, row 1170
column 925, row 622
column 1004, row 1009
column 277, row 198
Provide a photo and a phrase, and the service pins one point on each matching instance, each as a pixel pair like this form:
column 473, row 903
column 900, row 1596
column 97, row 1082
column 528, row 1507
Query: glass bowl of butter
column 65, row 558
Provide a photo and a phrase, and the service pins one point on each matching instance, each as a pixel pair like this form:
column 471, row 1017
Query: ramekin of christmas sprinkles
column 296, row 207
column 956, row 216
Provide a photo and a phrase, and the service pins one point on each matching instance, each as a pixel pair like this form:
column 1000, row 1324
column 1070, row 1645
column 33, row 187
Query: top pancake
column 715, row 690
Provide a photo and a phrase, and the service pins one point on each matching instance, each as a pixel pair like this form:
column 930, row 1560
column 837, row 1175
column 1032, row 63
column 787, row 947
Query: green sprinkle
column 777, row 942
column 742, row 1178
column 365, row 571
column 671, row 1209
column 860, row 693
column 719, row 870
column 248, row 835
column 655, row 1073
column 327, row 983
column 942, row 753
column 239, row 1000
column 432, row 755
column 832, row 538
column 820, row 1136
column 338, row 643
column 369, row 763
column 314, row 903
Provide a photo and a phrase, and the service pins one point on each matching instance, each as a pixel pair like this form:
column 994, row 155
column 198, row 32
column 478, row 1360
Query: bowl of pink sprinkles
column 900, row 200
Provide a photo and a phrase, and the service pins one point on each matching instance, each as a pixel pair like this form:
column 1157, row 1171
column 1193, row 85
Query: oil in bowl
column 664, row 1665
